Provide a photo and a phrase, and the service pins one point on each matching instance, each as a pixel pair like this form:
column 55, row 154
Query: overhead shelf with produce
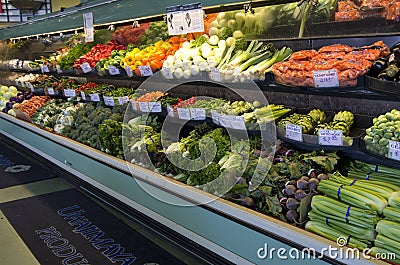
column 278, row 134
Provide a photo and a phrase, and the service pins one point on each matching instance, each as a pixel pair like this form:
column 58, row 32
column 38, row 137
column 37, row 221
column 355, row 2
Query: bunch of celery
column 362, row 197
column 387, row 240
column 361, row 170
column 332, row 219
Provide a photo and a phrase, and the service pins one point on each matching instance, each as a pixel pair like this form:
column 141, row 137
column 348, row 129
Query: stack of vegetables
column 152, row 55
column 31, row 105
column 130, row 35
column 384, row 128
column 232, row 58
column 67, row 60
column 46, row 117
column 99, row 51
column 113, row 60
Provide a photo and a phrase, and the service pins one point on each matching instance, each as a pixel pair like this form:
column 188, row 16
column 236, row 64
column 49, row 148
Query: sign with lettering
column 294, row 132
column 326, row 78
column 394, row 150
column 330, row 137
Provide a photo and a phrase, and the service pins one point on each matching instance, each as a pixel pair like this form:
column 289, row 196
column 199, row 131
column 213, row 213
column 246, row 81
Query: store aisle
column 46, row 220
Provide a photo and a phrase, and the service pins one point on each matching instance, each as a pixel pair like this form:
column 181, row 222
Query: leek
column 332, row 234
column 252, row 51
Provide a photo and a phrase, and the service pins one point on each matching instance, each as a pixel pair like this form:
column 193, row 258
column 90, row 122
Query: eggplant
column 9, row 105
column 20, row 94
column 13, row 99
column 378, row 66
column 20, row 99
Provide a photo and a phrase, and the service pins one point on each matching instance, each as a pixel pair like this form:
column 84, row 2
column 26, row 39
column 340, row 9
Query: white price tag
column 167, row 73
column 237, row 122
column 225, row 120
column 88, row 26
column 330, row 137
column 170, row 111
column 294, row 132
column 183, row 114
column 394, row 150
column 17, row 83
column 215, row 74
column 182, row 19
column 113, row 70
column 145, row 70
column 23, row 84
column 326, row 78
column 123, row 100
column 69, row 93
column 155, row 107
column 83, row 96
column 86, row 68
column 215, row 117
column 30, row 86
column 50, row 91
column 198, row 114
column 109, row 101
column 128, row 71
column 144, row 106
column 94, row 97
column 133, row 105
column 44, row 68
column 58, row 69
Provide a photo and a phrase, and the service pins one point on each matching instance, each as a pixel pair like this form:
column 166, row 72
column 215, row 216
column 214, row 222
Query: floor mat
column 17, row 169
column 66, row 227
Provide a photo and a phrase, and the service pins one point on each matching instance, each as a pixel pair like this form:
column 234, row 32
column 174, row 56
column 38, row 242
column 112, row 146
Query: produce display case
column 131, row 185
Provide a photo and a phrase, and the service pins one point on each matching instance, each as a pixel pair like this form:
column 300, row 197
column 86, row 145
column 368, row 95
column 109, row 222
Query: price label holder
column 145, row 70
column 86, row 68
column 330, row 137
column 23, row 84
column 394, row 150
column 155, row 107
column 170, row 111
column 183, row 19
column 237, row 122
column 30, row 86
column 144, row 106
column 94, row 97
column 113, row 70
column 215, row 74
column 183, row 113
column 44, row 68
column 128, row 71
column 123, row 100
column 294, row 132
column 225, row 120
column 88, row 26
column 58, row 68
column 50, row 91
column 198, row 114
column 17, row 83
column 133, row 105
column 69, row 93
column 215, row 117
column 109, row 101
column 167, row 73
column 83, row 96
column 326, row 78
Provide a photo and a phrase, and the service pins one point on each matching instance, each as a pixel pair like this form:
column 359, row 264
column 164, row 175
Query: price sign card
column 133, row 105
column 17, row 82
column 128, row 71
column 294, row 132
column 109, row 101
column 237, row 122
column 198, row 114
column 167, row 73
column 155, row 107
column 144, row 107
column 83, row 96
column 86, row 68
column 215, row 74
column 94, row 97
column 225, row 120
column 69, row 93
column 183, row 19
column 123, row 100
column 145, row 70
column 326, row 78
column 183, row 114
column 215, row 117
column 58, row 69
column 44, row 68
column 88, row 26
column 170, row 111
column 50, row 91
column 30, row 86
column 330, row 137
column 113, row 70
column 394, row 150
